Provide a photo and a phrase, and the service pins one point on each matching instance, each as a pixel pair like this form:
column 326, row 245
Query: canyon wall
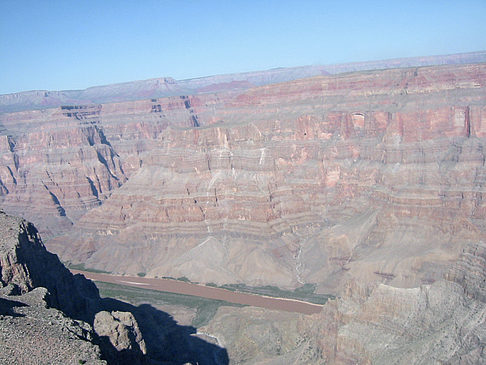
column 439, row 323
column 376, row 175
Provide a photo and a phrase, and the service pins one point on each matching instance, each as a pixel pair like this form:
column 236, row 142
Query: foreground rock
column 32, row 333
column 42, row 304
column 26, row 264
column 121, row 330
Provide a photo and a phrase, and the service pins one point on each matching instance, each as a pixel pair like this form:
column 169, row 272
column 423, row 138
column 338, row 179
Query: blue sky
column 58, row 45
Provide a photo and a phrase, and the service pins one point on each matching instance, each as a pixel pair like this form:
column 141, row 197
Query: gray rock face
column 441, row 323
column 26, row 264
column 121, row 330
column 470, row 271
column 31, row 333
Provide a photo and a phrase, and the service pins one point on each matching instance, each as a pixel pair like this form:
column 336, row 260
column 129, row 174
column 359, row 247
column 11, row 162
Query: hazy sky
column 65, row 44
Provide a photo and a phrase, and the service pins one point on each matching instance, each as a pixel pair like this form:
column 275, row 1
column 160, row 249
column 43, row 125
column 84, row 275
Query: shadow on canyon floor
column 165, row 340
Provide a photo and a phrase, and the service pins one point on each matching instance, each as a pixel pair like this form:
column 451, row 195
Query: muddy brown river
column 180, row 287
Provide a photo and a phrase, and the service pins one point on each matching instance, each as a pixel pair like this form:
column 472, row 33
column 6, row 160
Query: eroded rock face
column 26, row 264
column 440, row 323
column 120, row 329
column 375, row 175
column 261, row 336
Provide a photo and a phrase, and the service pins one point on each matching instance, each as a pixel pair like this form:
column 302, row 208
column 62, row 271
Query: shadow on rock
column 126, row 334
column 6, row 307
column 164, row 341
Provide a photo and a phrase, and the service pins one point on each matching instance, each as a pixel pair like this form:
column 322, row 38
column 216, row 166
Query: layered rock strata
column 440, row 323
column 378, row 175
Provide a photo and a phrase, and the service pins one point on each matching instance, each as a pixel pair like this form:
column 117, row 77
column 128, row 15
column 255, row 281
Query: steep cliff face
column 41, row 303
column 26, row 264
column 438, row 323
column 378, row 175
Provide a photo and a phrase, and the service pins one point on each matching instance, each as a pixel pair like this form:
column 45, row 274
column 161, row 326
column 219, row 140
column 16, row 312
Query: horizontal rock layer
column 378, row 175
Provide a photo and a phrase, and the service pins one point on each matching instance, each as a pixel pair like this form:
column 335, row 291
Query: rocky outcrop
column 32, row 333
column 470, row 271
column 25, row 264
column 121, row 330
column 439, row 323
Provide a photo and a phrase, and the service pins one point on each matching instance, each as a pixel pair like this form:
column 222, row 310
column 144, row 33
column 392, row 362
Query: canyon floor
column 179, row 287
